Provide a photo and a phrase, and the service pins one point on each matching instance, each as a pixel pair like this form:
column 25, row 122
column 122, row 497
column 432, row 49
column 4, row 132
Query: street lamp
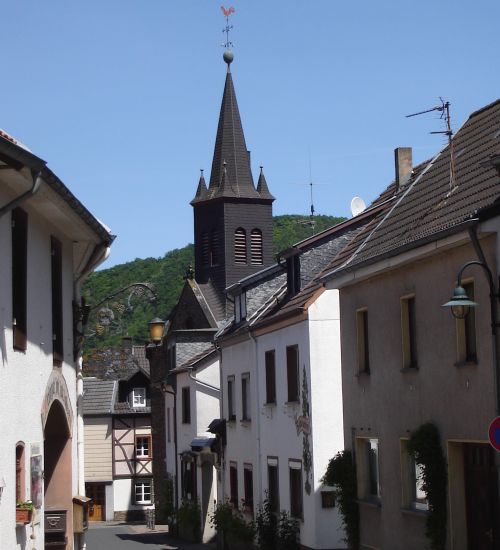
column 156, row 328
column 460, row 305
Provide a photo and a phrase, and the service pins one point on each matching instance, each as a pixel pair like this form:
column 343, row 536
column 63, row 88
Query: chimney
column 127, row 344
column 403, row 164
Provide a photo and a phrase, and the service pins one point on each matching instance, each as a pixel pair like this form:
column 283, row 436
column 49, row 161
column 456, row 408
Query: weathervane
column 227, row 13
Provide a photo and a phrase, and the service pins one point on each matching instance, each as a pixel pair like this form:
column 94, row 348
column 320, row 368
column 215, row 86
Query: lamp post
column 460, row 305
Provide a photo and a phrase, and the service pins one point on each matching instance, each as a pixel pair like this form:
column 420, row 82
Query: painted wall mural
column 303, row 426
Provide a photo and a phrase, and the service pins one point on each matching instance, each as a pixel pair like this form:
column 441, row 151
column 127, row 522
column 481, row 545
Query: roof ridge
column 485, row 108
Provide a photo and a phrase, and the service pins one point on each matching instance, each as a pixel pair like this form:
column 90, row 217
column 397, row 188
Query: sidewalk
column 138, row 535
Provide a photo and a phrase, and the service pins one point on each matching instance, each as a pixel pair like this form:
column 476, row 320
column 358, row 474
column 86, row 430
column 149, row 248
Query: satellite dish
column 357, row 205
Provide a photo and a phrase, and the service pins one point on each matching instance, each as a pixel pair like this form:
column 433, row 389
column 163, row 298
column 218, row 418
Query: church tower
column 232, row 217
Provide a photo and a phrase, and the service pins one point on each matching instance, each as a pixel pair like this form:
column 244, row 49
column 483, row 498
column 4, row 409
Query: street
column 120, row 536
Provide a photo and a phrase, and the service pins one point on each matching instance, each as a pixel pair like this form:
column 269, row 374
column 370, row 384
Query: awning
column 203, row 442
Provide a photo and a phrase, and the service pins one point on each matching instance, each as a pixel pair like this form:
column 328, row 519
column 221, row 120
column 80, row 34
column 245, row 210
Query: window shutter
column 256, row 247
column 240, row 246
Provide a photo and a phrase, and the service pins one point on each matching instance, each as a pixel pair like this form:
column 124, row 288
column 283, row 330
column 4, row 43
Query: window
column 186, row 406
column 295, row 471
column 466, row 331
column 414, row 497
column 293, row 281
column 143, row 446
column 270, row 359
column 138, row 397
column 248, row 486
column 143, row 490
column 240, row 246
column 362, row 341
column 171, row 357
column 19, row 277
column 233, row 484
column 214, row 247
column 273, row 492
column 240, row 307
column 230, row 398
column 408, row 332
column 57, row 301
column 368, row 468
column 256, row 247
column 188, row 472
column 20, row 473
column 205, row 248
column 245, row 396
column 292, row 372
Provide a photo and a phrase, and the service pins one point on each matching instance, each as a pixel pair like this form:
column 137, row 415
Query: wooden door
column 481, row 493
column 97, row 509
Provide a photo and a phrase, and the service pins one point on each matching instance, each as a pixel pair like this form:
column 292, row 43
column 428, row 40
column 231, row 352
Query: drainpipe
column 198, row 381
column 222, row 447
column 494, row 326
column 176, row 481
column 99, row 255
column 257, row 414
column 37, row 181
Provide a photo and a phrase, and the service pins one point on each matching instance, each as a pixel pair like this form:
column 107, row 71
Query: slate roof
column 231, row 175
column 429, row 206
column 98, row 396
column 119, row 363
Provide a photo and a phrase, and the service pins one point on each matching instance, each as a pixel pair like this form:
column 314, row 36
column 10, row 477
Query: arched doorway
column 58, row 474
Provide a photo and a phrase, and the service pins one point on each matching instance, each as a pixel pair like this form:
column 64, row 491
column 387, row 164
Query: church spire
column 262, row 187
column 230, row 146
column 201, row 191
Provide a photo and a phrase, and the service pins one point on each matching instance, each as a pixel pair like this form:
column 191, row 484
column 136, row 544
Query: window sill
column 409, row 369
column 231, row 419
column 292, row 403
column 464, row 364
column 415, row 512
column 371, row 502
column 246, row 421
column 270, row 404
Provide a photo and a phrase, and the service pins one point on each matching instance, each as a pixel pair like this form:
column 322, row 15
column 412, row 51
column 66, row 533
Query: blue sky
column 122, row 97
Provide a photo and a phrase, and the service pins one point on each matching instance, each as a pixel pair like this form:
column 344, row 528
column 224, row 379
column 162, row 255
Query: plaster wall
column 122, row 496
column 98, row 449
column 26, row 374
column 242, row 436
column 318, row 340
column 389, row 403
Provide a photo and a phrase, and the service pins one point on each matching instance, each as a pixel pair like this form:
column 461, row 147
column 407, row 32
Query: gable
column 189, row 313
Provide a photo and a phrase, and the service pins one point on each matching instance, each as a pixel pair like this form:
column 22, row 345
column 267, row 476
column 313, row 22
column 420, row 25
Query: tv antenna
column 444, row 109
column 311, row 222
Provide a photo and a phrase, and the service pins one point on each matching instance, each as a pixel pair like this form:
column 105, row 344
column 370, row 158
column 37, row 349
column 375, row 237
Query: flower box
column 23, row 515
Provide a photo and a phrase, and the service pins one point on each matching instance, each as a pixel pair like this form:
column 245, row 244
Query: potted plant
column 24, row 511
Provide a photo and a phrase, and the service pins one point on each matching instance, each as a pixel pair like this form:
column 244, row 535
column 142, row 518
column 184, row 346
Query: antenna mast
column 444, row 109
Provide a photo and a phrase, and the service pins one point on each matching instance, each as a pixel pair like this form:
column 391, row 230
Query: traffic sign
column 494, row 433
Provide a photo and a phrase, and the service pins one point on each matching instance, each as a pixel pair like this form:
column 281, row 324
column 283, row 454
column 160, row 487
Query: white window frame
column 139, row 449
column 142, row 485
column 138, row 397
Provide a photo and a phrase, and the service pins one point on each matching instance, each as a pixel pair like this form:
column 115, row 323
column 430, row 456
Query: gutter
column 37, row 181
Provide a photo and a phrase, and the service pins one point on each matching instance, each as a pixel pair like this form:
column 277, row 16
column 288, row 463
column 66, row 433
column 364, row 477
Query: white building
column 282, row 390
column 49, row 243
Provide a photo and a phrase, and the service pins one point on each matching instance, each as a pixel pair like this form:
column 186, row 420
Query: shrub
column 231, row 524
column 341, row 474
column 189, row 518
column 266, row 526
column 288, row 532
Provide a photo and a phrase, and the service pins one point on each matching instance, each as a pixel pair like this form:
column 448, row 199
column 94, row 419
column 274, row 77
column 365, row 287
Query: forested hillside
column 130, row 314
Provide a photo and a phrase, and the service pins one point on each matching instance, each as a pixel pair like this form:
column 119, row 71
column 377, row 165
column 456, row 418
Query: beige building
column 407, row 362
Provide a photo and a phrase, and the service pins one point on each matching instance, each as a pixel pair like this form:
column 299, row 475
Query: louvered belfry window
column 214, row 247
column 256, row 247
column 205, row 248
column 240, row 246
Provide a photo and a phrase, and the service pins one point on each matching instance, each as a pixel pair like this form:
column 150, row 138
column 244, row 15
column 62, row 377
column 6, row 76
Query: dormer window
column 240, row 307
column 138, row 397
column 293, row 275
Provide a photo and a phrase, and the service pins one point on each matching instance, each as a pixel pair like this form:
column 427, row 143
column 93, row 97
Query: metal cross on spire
column 227, row 13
